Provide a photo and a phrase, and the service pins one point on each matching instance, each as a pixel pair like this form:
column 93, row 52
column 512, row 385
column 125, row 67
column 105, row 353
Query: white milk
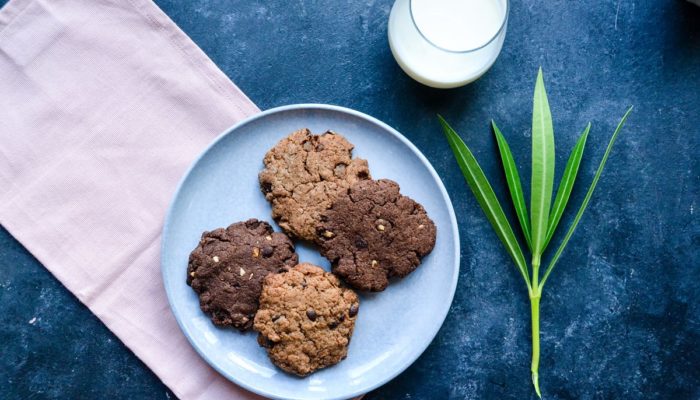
column 447, row 43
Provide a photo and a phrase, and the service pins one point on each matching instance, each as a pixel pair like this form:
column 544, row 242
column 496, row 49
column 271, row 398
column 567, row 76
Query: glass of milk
column 447, row 43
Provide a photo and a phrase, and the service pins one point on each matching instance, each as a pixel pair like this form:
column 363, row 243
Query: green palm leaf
column 513, row 179
column 566, row 184
column 542, row 168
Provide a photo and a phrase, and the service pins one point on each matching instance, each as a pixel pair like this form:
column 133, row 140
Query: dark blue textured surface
column 620, row 316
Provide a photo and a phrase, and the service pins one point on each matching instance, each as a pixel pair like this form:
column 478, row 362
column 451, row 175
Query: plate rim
column 325, row 107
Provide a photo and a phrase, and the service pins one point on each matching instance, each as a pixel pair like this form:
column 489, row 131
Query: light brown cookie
column 306, row 319
column 303, row 174
column 228, row 266
column 373, row 233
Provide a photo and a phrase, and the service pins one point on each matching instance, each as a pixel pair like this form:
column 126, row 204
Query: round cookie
column 228, row 266
column 373, row 233
column 306, row 319
column 303, row 174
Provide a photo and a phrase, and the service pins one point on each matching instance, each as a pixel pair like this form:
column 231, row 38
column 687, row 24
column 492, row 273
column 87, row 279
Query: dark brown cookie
column 303, row 174
column 372, row 233
column 306, row 319
column 228, row 266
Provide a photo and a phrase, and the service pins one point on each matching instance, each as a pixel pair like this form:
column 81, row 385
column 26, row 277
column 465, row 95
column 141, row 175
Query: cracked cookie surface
column 228, row 266
column 303, row 174
column 372, row 233
column 306, row 319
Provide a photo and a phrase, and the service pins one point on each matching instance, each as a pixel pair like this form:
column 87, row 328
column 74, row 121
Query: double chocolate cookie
column 306, row 319
column 372, row 233
column 228, row 266
column 303, row 174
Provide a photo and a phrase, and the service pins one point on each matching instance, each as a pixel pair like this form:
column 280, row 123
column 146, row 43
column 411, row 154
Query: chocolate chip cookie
column 228, row 266
column 372, row 233
column 306, row 319
column 303, row 174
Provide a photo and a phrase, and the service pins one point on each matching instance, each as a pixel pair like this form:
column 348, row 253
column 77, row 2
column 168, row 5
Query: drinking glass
column 447, row 43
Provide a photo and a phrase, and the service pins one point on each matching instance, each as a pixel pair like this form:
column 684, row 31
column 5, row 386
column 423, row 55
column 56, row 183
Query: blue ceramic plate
column 393, row 327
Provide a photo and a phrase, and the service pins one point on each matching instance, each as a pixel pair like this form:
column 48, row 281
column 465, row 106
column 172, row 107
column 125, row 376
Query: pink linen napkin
column 103, row 105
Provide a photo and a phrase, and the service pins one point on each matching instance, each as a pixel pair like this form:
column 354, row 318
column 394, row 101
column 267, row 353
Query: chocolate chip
column 363, row 175
column 275, row 317
column 354, row 309
column 219, row 315
column 267, row 251
column 311, row 314
column 360, row 242
column 267, row 343
column 252, row 224
column 266, row 187
column 333, row 324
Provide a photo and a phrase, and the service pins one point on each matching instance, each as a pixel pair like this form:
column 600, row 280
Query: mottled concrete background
column 620, row 316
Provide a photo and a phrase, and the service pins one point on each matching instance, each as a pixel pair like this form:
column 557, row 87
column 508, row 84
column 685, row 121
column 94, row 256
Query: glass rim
column 488, row 42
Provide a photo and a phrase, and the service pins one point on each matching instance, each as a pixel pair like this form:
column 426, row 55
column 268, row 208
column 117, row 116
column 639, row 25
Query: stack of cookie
column 247, row 275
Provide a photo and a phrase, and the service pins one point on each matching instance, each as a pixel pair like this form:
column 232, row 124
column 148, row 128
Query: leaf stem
column 536, row 259
column 535, row 295
column 534, row 367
